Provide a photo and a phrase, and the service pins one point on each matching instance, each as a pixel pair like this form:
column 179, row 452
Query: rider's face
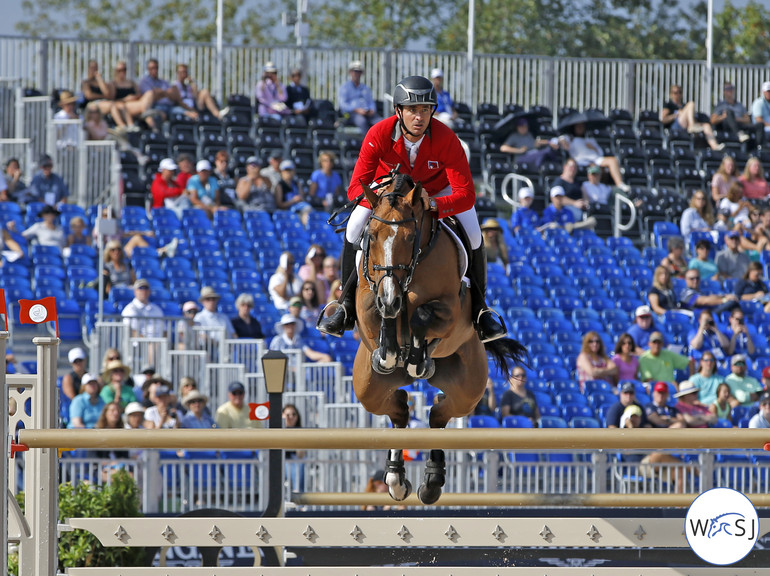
column 417, row 118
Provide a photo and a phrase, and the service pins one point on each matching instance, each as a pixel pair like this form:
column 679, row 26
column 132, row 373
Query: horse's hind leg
column 433, row 479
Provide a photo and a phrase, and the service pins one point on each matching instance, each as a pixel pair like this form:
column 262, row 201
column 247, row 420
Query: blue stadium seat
column 517, row 422
column 482, row 421
column 584, row 422
column 552, row 422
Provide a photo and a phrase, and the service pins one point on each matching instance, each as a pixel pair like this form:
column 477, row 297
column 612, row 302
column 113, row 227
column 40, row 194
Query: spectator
column 762, row 418
column 356, row 101
column 109, row 355
column 659, row 412
column 739, row 335
column 131, row 102
column 70, row 383
column 312, row 269
column 325, row 182
column 77, row 235
column 284, row 283
column 760, row 113
column 295, row 309
column 98, row 94
column 674, row 260
column 524, row 218
column 117, row 270
column 734, row 202
column 488, row 403
column 376, row 485
column 271, row 94
column 723, row 223
column 111, row 418
column 721, row 407
column 235, row 412
column 139, row 313
column 746, row 389
column 626, row 398
column 331, row 274
column 272, row 172
column 87, row 406
column 4, row 194
column 254, row 190
column 755, row 187
column 95, row 125
column 186, row 166
column 186, row 385
column 726, row 175
column 707, row 379
column 730, row 115
column 203, row 190
column 9, row 248
column 165, row 187
column 116, row 387
column 289, row 193
column 526, row 148
column 657, row 363
column 335, row 291
column 766, row 378
column 46, row 185
column 244, row 324
column 593, row 362
column 732, row 262
column 196, row 416
column 625, row 358
column 698, row 217
column 69, row 134
column 209, row 317
column 288, row 337
column 134, row 415
column 557, row 215
column 311, row 303
column 701, row 261
column 184, row 92
column 298, row 96
column 707, row 336
column 679, row 118
column 573, row 190
column 661, row 295
column 162, row 413
column 695, row 414
column 642, row 328
column 752, row 287
column 48, row 232
column 13, row 180
column 225, row 180
column 494, row 242
column 585, row 150
column 160, row 89
column 445, row 108
column 762, row 228
column 595, row 193
column 691, row 298
column 517, row 400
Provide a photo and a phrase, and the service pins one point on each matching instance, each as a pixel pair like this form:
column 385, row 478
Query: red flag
column 3, row 309
column 38, row 311
column 259, row 411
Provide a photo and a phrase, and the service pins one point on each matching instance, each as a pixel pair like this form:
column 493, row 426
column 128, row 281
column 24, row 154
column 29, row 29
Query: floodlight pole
column 220, row 56
column 469, row 56
column 706, row 98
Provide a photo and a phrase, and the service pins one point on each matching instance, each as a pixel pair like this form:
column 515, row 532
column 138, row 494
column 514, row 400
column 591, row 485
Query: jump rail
column 411, row 439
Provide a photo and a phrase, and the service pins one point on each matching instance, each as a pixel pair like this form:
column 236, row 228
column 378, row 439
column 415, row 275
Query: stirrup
column 322, row 318
column 484, row 337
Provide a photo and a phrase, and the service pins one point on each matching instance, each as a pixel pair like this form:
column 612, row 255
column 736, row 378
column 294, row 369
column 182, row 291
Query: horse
column 414, row 320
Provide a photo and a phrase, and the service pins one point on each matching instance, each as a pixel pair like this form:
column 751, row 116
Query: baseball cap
column 236, row 387
column 167, row 164
column 87, row 378
column 190, row 305
column 643, row 311
column 295, row 301
column 628, row 387
column 133, row 408
column 286, row 165
column 632, row 410
column 737, row 358
column 764, row 398
column 656, row 337
column 269, row 67
column 766, row 372
column 765, row 86
column 436, row 73
column 557, row 191
column 253, row 160
column 356, row 65
column 76, row 354
column 660, row 387
column 203, row 165
column 141, row 283
column 594, row 170
column 526, row 192
column 148, row 369
column 45, row 160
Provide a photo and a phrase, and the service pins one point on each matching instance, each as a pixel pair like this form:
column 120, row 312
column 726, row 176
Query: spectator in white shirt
column 136, row 314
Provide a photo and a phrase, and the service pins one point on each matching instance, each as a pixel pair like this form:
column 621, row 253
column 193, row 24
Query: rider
column 430, row 153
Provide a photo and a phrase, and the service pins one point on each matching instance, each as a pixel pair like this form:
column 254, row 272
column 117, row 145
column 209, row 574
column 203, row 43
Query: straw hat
column 208, row 292
column 113, row 365
column 193, row 395
column 491, row 224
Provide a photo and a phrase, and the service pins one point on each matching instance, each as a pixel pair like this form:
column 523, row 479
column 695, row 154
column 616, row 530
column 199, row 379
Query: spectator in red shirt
column 165, row 184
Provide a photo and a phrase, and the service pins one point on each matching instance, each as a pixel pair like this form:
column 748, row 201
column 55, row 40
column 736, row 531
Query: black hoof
column 428, row 495
column 378, row 367
column 406, row 486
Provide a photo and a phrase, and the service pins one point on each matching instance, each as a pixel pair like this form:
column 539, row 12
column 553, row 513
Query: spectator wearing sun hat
column 196, row 416
column 695, row 414
column 494, row 242
column 556, row 214
column 87, row 406
column 355, row 99
column 209, row 317
column 134, row 417
column 287, row 337
column 116, row 387
column 525, row 218
column 271, row 94
column 67, row 135
column 47, row 232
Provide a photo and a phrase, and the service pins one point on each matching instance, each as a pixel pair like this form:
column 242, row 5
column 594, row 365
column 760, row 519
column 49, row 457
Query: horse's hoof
column 428, row 495
column 429, row 369
column 379, row 365
column 400, row 492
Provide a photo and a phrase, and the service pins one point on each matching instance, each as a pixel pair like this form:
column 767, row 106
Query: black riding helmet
column 411, row 91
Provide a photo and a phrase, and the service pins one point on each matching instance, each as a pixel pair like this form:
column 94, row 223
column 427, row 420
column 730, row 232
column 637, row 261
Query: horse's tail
column 505, row 352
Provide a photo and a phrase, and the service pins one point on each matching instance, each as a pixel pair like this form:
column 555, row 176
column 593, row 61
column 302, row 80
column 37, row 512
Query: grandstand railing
column 497, row 78
column 20, row 148
column 8, row 87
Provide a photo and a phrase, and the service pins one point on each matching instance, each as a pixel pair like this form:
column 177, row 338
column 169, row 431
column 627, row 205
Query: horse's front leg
column 419, row 364
column 395, row 472
column 433, row 479
column 385, row 358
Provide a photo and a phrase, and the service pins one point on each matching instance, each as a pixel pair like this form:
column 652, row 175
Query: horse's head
column 392, row 241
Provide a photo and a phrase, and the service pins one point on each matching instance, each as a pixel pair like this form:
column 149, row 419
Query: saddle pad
column 462, row 254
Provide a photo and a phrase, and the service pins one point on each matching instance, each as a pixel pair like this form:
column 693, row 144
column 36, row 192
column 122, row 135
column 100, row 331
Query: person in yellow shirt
column 235, row 412
column 658, row 364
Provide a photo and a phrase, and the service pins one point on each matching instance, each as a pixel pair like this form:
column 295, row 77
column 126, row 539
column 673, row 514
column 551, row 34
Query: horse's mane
column 400, row 181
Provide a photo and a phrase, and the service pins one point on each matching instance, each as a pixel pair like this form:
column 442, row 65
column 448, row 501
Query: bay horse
column 414, row 320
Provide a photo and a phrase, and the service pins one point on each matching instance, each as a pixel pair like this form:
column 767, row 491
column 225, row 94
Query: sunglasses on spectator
column 113, row 357
column 593, row 341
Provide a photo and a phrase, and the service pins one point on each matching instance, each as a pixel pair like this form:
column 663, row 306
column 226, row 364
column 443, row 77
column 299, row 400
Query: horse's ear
column 370, row 195
column 416, row 194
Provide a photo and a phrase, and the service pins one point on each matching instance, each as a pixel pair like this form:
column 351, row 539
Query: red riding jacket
column 441, row 162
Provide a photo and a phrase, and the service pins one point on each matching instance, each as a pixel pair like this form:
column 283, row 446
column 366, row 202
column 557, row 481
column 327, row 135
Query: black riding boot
column 489, row 326
column 344, row 317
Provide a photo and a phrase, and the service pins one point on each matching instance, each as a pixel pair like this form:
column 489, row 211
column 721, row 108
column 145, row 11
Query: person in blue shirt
column 46, row 185
column 739, row 334
column 196, row 416
column 707, row 336
column 557, row 214
column 643, row 327
column 203, row 189
column 356, row 100
column 87, row 406
column 525, row 217
column 445, row 107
